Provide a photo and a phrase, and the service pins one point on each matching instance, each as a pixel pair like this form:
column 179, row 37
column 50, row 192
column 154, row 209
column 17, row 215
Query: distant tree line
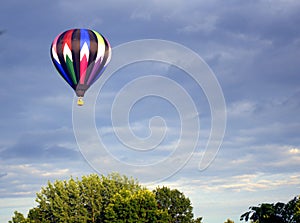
column 119, row 199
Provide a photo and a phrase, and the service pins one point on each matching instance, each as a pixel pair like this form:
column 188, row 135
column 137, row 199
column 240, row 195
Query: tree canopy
column 112, row 198
column 119, row 199
column 175, row 203
column 274, row 213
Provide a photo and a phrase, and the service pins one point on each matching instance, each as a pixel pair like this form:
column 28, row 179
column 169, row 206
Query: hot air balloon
column 80, row 57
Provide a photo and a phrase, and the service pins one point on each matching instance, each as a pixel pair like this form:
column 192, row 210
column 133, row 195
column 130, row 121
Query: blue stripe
column 64, row 74
column 84, row 37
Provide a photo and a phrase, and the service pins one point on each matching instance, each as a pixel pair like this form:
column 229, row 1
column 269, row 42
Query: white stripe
column 84, row 51
column 101, row 50
column 68, row 52
column 109, row 56
column 54, row 54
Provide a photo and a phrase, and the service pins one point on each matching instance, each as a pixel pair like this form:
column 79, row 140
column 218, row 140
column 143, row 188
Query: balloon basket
column 80, row 101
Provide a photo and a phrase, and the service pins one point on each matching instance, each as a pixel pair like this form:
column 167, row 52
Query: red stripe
column 68, row 38
column 83, row 67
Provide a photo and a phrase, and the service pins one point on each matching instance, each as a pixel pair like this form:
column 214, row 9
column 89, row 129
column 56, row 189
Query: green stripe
column 71, row 69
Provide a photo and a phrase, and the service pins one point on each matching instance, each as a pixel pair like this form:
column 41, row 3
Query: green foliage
column 79, row 201
column 119, row 199
column 115, row 198
column 297, row 209
column 17, row 218
column 139, row 206
column 197, row 220
column 274, row 213
column 61, row 202
column 175, row 203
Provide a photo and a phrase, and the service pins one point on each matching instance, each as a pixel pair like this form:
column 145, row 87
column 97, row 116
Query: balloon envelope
column 80, row 56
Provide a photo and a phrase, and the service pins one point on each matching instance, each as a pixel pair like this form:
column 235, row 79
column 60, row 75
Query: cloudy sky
column 252, row 48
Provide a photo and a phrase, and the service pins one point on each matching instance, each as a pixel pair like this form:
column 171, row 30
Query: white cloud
column 199, row 23
column 141, row 15
column 241, row 108
column 237, row 183
column 294, row 151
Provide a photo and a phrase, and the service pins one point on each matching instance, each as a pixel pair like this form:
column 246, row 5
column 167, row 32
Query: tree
column 17, row 218
column 291, row 211
column 197, row 220
column 61, row 202
column 274, row 213
column 139, row 206
column 175, row 203
column 77, row 200
column 101, row 199
column 297, row 209
column 265, row 213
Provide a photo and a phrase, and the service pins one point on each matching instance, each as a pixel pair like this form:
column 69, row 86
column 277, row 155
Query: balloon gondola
column 80, row 56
